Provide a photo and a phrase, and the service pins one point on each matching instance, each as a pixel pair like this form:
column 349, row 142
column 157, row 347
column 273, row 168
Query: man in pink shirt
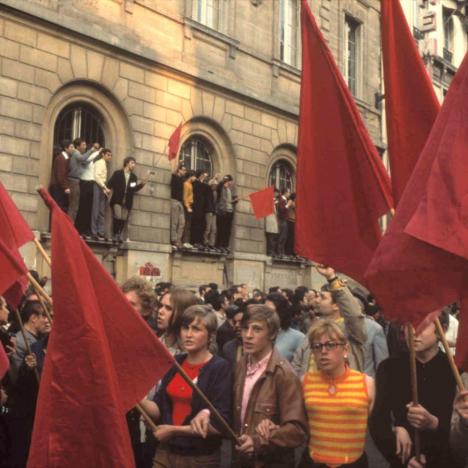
column 269, row 409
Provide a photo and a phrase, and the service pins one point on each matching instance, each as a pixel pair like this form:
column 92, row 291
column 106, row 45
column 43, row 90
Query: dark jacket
column 209, row 198
column 436, row 391
column 198, row 207
column 277, row 395
column 122, row 195
column 177, row 188
column 215, row 381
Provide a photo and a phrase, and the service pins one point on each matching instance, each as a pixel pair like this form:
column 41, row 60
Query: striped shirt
column 337, row 412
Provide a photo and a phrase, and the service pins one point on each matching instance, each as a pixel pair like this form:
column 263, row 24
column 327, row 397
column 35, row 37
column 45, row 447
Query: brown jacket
column 277, row 395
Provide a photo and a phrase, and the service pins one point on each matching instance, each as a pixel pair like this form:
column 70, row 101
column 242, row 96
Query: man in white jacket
column 100, row 195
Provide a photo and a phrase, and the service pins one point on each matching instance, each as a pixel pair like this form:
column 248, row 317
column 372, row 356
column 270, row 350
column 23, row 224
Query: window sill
column 232, row 44
column 289, row 260
column 282, row 67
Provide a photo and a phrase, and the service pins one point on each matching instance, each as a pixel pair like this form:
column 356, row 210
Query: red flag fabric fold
column 4, row 362
column 342, row 185
column 13, row 282
column 174, row 142
column 411, row 104
column 408, row 276
column 263, row 202
column 15, row 231
column 102, row 358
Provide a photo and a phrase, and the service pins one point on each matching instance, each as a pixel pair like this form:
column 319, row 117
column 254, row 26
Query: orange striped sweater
column 337, row 416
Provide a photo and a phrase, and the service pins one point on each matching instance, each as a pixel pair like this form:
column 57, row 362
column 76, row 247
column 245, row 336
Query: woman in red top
column 175, row 405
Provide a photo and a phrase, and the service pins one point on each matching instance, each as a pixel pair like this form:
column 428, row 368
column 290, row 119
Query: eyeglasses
column 329, row 346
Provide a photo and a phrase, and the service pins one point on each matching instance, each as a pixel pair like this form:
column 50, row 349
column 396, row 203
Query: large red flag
column 174, row 142
column 14, row 229
column 263, row 202
column 408, row 276
column 441, row 217
column 411, row 104
column 13, row 273
column 342, row 185
column 101, row 360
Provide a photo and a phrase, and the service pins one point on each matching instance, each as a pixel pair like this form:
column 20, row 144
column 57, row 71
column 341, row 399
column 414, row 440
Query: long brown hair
column 181, row 299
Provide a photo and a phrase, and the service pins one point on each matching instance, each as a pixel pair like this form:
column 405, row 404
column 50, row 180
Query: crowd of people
column 304, row 378
column 81, row 187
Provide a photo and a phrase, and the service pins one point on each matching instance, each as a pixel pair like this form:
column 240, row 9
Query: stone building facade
column 129, row 71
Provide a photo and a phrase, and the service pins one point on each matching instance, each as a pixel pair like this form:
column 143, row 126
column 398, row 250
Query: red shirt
column 181, row 393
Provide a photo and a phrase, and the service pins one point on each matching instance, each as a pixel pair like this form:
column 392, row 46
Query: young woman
column 173, row 304
column 338, row 401
column 176, row 405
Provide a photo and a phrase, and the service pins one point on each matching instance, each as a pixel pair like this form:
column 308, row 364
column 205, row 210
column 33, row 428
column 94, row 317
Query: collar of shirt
column 256, row 367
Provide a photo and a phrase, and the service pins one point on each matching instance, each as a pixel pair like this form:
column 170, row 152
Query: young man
column 198, row 209
column 225, row 201
column 188, row 210
column 124, row 184
column 59, row 183
column 336, row 302
column 177, row 207
column 266, row 388
column 209, row 236
column 395, row 417
column 77, row 163
column 100, row 195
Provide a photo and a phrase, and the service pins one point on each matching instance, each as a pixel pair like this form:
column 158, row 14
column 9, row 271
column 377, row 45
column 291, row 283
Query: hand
column 265, row 427
column 415, row 463
column 326, row 271
column 3, row 396
column 106, row 191
column 461, row 405
column 245, row 444
column 420, row 418
column 11, row 348
column 403, row 444
column 201, row 423
column 67, row 191
column 163, row 432
column 30, row 360
column 189, row 210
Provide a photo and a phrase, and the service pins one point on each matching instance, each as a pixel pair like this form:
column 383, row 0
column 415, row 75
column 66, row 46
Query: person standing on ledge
column 124, row 184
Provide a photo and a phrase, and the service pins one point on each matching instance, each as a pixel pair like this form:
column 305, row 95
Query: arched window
column 197, row 153
column 79, row 120
column 282, row 175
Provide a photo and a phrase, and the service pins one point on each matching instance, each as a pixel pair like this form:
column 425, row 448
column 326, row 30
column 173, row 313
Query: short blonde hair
column 326, row 327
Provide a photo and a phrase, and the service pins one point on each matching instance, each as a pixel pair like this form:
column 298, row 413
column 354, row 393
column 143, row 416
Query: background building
column 127, row 72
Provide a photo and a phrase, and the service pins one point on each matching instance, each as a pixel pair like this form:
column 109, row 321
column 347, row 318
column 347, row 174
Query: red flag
column 4, row 362
column 174, row 142
column 13, row 273
column 411, row 104
column 408, row 276
column 15, row 231
column 101, row 360
column 263, row 202
column 342, row 185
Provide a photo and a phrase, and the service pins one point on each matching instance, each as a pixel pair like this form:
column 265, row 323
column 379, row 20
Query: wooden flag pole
column 208, row 403
column 414, row 387
column 45, row 309
column 39, row 289
column 42, row 252
column 26, row 342
column 146, row 417
column 453, row 366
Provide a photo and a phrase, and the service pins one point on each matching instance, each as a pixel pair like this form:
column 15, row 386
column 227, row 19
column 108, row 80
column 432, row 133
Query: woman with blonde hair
column 338, row 401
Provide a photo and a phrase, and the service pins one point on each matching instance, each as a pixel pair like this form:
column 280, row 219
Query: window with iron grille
column 282, row 175
column 197, row 153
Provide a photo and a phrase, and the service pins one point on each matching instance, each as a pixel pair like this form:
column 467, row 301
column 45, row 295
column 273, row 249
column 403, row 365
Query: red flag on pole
column 263, row 202
column 408, row 276
column 411, row 104
column 15, row 231
column 342, row 185
column 101, row 360
column 13, row 281
column 174, row 142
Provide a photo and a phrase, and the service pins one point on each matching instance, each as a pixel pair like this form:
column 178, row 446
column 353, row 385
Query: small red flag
column 411, row 104
column 174, row 142
column 13, row 273
column 342, row 185
column 102, row 358
column 263, row 202
column 4, row 362
column 15, row 231
column 408, row 276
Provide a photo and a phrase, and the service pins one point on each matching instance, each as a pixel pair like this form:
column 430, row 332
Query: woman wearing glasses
column 338, row 401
